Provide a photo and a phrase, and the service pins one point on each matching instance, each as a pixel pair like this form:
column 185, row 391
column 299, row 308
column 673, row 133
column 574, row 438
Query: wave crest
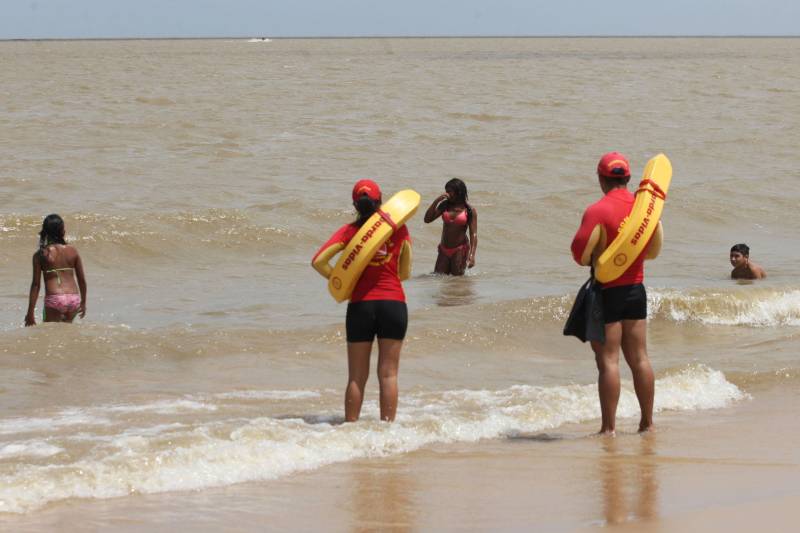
column 757, row 307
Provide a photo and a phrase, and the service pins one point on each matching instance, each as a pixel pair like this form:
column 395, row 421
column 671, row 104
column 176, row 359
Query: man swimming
column 743, row 268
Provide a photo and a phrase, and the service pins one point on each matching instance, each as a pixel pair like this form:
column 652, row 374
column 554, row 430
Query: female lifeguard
column 60, row 265
column 377, row 305
column 456, row 250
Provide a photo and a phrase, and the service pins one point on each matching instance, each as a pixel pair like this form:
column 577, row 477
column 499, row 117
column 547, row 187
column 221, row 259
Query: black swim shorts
column 388, row 319
column 628, row 302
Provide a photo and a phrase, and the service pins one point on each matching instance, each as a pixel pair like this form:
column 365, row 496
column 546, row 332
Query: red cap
column 614, row 165
column 368, row 187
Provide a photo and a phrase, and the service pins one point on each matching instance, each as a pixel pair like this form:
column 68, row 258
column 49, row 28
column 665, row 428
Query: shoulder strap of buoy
column 656, row 190
column 388, row 218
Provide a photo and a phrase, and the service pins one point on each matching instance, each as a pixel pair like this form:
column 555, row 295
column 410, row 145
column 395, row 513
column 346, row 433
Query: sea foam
column 757, row 308
column 236, row 450
column 31, row 448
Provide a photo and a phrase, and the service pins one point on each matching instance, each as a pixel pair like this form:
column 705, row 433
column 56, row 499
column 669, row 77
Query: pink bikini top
column 459, row 218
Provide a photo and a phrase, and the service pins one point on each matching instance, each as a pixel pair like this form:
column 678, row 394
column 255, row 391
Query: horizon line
column 334, row 37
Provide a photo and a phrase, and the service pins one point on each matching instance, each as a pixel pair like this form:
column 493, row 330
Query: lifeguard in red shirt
column 377, row 305
column 624, row 299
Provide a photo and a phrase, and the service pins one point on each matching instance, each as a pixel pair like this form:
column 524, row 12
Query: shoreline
column 698, row 469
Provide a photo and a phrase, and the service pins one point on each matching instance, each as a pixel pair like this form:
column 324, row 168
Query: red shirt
column 610, row 211
column 380, row 280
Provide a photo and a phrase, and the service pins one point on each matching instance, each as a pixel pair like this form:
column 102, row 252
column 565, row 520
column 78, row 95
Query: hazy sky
column 273, row 18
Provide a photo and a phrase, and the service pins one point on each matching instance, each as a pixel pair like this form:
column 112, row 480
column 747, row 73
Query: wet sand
column 735, row 469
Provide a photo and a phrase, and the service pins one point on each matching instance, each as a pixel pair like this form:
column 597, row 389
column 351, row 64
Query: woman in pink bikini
column 60, row 265
column 456, row 250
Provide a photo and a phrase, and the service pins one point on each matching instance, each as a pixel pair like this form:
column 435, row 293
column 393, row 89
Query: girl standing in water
column 377, row 305
column 60, row 265
column 456, row 250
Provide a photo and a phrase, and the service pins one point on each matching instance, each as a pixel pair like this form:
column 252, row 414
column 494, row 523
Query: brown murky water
column 198, row 177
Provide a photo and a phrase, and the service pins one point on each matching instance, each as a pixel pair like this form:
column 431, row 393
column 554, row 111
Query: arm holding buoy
column 654, row 247
column 326, row 252
column 321, row 261
column 404, row 261
column 594, row 246
column 590, row 239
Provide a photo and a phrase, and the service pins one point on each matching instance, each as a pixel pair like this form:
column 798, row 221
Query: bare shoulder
column 71, row 253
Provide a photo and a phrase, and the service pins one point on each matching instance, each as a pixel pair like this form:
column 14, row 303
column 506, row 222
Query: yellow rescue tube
column 373, row 234
column 640, row 224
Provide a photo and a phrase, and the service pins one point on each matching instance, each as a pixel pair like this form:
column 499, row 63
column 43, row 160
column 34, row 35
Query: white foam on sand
column 268, row 395
column 65, row 418
column 224, row 452
column 31, row 448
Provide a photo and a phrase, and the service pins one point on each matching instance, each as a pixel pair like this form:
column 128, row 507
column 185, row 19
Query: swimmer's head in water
column 457, row 190
column 741, row 248
column 52, row 231
column 740, row 253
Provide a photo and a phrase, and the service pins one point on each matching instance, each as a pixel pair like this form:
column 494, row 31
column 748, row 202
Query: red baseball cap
column 614, row 165
column 368, row 187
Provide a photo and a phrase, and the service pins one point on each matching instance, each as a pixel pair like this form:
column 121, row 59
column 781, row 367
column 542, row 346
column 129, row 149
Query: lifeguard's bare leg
column 357, row 373
column 388, row 365
column 634, row 346
column 606, row 356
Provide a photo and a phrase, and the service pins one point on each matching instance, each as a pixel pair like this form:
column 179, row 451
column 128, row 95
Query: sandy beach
column 703, row 473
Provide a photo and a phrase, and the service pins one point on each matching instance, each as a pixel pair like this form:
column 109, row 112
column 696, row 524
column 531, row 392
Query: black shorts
column 628, row 302
column 388, row 319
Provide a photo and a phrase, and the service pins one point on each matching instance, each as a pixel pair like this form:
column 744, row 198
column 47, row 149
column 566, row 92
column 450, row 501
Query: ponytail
column 52, row 233
column 366, row 207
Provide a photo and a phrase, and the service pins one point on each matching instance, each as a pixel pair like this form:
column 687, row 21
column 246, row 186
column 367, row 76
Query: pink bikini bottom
column 63, row 303
column 450, row 252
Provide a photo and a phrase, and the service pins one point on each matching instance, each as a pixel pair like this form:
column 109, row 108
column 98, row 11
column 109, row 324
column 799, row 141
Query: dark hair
column 52, row 232
column 366, row 207
column 459, row 189
column 742, row 249
column 619, row 172
column 621, row 181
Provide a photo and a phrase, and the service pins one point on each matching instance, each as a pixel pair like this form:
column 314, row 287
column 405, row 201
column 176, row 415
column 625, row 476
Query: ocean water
column 197, row 178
